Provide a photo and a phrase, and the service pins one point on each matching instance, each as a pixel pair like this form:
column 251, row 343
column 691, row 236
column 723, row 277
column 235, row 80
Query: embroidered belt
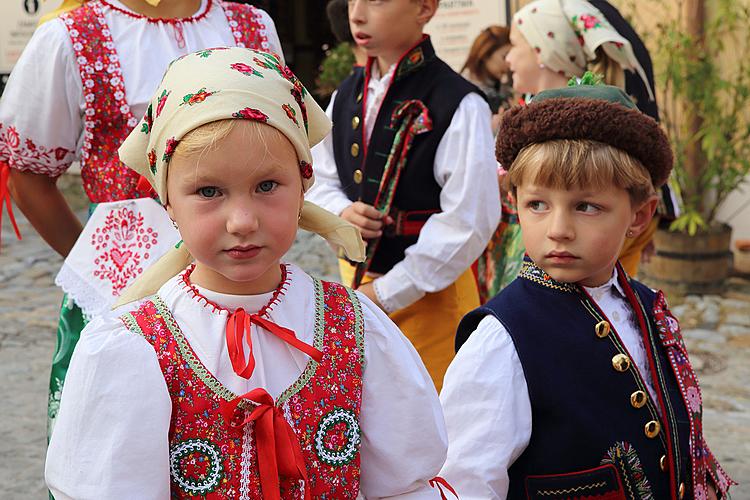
column 408, row 222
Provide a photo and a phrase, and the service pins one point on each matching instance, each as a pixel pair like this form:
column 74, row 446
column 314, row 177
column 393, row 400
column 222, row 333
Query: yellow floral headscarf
column 219, row 84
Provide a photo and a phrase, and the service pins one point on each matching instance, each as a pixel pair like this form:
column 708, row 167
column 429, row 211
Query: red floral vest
column 211, row 459
column 108, row 119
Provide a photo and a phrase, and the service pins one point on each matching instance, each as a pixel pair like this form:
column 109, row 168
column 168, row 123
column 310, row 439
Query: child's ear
column 426, row 11
column 169, row 211
column 642, row 215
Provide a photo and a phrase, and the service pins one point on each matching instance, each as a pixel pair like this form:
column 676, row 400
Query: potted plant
column 703, row 86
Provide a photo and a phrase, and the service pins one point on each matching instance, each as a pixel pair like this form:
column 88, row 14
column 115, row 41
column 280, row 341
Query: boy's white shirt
column 466, row 170
column 485, row 385
column 111, row 435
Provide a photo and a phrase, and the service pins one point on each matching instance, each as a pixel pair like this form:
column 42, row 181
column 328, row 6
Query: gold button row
column 355, row 150
column 358, row 176
column 355, row 122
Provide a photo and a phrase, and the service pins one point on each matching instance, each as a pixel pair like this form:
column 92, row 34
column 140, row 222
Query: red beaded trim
column 194, row 293
column 176, row 20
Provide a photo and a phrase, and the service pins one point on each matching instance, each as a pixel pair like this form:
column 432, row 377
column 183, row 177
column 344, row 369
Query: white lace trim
column 88, row 298
column 247, row 446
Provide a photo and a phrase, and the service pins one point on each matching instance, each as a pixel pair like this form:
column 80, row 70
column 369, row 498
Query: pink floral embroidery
column 121, row 245
column 169, row 149
column 247, row 26
column 27, row 155
column 251, row 114
column 587, row 22
column 162, row 101
column 246, row 69
column 694, row 399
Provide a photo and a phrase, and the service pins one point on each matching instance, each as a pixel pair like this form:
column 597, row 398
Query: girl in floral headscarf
column 240, row 376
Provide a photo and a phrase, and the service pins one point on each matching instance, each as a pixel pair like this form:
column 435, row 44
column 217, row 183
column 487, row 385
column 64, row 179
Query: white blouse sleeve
column 327, row 190
column 403, row 433
column 450, row 241
column 41, row 120
column 110, row 440
column 487, row 412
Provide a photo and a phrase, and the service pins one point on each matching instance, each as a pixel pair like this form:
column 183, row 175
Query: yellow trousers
column 630, row 255
column 430, row 323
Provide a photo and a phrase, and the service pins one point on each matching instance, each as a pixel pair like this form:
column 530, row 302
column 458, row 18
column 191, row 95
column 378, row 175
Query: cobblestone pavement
column 717, row 331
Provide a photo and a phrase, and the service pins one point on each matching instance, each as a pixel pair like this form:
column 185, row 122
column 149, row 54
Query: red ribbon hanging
column 279, row 452
column 5, row 197
column 441, row 483
column 239, row 326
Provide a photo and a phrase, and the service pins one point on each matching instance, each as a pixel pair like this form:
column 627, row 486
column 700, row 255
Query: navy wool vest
column 595, row 429
column 418, row 75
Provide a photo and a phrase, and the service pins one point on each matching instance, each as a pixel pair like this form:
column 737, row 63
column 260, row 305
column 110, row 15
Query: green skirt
column 501, row 261
column 68, row 332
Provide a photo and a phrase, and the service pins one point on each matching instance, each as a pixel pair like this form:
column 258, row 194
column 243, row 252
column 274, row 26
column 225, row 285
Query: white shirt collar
column 613, row 282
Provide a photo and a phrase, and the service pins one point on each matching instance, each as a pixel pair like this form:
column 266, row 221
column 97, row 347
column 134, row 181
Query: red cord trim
column 205, row 302
column 164, row 20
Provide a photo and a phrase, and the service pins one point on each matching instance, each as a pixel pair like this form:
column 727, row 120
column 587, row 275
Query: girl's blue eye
column 208, row 191
column 266, row 186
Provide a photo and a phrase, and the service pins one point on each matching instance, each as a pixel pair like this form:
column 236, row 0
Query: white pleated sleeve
column 110, row 439
column 487, row 412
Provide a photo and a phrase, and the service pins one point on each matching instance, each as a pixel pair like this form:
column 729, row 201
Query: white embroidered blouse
column 115, row 410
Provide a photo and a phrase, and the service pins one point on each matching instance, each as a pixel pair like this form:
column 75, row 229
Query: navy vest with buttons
column 594, row 427
column 418, row 75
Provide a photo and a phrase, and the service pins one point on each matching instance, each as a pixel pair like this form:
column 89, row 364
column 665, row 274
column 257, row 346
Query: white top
column 466, row 170
column 43, row 101
column 485, row 385
column 115, row 410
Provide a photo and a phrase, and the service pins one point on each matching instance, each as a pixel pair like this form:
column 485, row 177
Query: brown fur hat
column 598, row 113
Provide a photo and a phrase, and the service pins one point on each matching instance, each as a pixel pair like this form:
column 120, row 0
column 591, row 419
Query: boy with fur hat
column 240, row 376
column 409, row 162
column 575, row 377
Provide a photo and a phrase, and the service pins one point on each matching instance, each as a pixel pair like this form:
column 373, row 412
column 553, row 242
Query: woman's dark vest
column 591, row 435
column 418, row 75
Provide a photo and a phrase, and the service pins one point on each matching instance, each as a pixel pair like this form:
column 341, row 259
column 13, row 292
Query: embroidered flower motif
column 152, row 161
column 586, row 22
column 162, row 101
column 195, row 464
column 271, row 62
column 148, row 120
column 298, row 92
column 12, row 138
column 246, row 69
column 198, row 97
column 338, row 437
column 290, row 113
column 251, row 114
column 694, row 399
column 305, row 169
column 169, row 149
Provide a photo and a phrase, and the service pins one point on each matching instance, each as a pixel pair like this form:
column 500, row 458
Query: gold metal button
column 602, row 329
column 359, row 97
column 663, row 463
column 355, row 122
column 638, row 399
column 621, row 363
column 681, row 490
column 652, row 429
column 358, row 176
column 355, row 150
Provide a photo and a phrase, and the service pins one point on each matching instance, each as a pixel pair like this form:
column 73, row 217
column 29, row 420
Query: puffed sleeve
column 41, row 121
column 487, row 412
column 404, row 441
column 111, row 437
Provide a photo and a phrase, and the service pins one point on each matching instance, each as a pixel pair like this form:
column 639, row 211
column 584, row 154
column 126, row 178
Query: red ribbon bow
column 279, row 452
column 5, row 197
column 239, row 325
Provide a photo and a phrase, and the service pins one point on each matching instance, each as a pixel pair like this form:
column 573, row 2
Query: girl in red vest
column 240, row 376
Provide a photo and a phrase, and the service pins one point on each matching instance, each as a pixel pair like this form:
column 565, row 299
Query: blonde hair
column 567, row 163
column 609, row 68
column 203, row 139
